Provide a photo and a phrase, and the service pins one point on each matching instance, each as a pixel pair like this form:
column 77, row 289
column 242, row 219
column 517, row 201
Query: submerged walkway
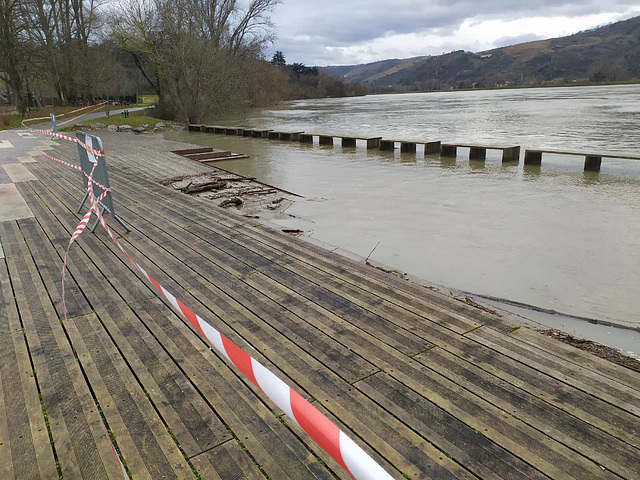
column 429, row 386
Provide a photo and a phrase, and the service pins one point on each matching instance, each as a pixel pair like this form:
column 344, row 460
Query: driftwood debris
column 230, row 201
column 204, row 187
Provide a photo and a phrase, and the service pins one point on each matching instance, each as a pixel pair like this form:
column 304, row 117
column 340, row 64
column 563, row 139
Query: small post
column 511, row 154
column 432, row 148
column 477, row 153
column 387, row 145
column 592, row 163
column 373, row 142
column 348, row 142
column 533, row 157
column 449, row 150
column 407, row 147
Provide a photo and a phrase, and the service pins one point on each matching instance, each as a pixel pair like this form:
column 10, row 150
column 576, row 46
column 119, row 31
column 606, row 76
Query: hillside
column 608, row 53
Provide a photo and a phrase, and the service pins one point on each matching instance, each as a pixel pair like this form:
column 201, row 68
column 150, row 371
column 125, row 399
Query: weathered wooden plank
column 146, row 445
column 168, row 388
column 81, row 443
column 49, row 268
column 228, row 461
column 471, row 448
column 568, row 353
column 594, row 442
column 25, row 449
column 613, row 392
column 534, row 447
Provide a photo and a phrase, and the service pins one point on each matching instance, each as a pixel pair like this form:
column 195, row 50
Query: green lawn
column 135, row 119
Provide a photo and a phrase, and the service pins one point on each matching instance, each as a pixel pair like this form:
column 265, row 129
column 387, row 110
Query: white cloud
column 359, row 31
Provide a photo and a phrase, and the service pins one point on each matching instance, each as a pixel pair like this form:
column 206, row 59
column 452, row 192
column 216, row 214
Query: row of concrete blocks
column 476, row 152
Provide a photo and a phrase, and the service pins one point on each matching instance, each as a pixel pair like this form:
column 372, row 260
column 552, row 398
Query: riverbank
column 272, row 206
column 427, row 385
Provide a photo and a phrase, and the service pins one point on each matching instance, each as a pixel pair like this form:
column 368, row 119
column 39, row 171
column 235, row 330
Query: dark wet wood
column 431, row 387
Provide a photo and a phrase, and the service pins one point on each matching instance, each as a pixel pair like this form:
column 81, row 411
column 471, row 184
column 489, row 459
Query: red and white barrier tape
column 75, row 167
column 98, row 107
column 324, row 432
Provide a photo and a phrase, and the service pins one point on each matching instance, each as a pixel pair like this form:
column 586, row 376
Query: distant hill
column 606, row 54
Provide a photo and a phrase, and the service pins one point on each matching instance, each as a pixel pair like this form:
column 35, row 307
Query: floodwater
column 551, row 236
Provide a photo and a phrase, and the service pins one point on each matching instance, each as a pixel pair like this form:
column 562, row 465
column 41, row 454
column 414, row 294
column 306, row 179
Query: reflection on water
column 552, row 236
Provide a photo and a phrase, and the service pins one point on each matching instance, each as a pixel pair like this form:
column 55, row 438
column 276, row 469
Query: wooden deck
column 429, row 386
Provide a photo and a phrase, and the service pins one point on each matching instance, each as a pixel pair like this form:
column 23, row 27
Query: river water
column 551, row 236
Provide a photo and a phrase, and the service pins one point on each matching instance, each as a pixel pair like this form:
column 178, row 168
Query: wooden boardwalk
column 429, row 386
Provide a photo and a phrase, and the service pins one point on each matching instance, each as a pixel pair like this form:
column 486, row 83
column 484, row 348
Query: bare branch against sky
column 334, row 32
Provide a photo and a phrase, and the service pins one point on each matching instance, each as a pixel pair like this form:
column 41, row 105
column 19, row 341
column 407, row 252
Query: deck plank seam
column 110, row 431
column 435, row 445
column 33, row 369
column 528, row 422
column 63, row 359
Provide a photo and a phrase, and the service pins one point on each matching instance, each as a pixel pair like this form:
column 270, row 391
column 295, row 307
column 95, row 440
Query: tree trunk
column 16, row 87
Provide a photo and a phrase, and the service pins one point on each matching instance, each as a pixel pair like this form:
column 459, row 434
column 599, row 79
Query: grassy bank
column 135, row 119
column 9, row 119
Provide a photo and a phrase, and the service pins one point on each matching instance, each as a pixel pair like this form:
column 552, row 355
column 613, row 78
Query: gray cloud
column 308, row 30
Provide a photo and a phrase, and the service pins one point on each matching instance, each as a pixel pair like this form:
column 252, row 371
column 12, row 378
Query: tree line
column 203, row 58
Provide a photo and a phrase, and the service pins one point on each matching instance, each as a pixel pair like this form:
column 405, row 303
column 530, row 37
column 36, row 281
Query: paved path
column 429, row 386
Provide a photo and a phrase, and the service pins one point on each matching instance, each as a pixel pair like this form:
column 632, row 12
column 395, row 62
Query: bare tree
column 61, row 31
column 200, row 49
column 13, row 50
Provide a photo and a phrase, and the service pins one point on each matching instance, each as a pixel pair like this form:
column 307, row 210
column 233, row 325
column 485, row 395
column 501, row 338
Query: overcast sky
column 344, row 32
